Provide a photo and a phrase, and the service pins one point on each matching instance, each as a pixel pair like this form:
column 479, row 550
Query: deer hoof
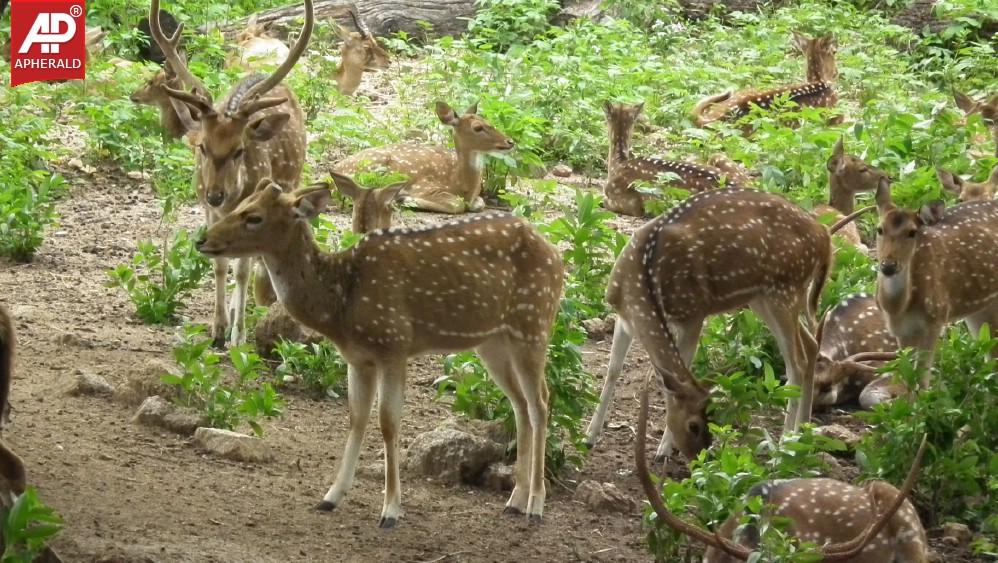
column 387, row 523
column 218, row 342
column 535, row 519
column 325, row 506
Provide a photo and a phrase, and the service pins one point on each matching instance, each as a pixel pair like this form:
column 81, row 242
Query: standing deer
column 388, row 299
column 256, row 48
column 847, row 521
column 853, row 339
column 818, row 91
column 968, row 191
column 848, row 175
column 987, row 108
column 372, row 207
column 11, row 466
column 717, row 251
column 936, row 268
column 360, row 52
column 440, row 180
column 623, row 169
column 243, row 139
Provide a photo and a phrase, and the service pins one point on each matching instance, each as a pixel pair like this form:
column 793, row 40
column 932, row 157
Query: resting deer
column 717, row 251
column 968, row 191
column 853, row 341
column 987, row 108
column 439, row 179
column 256, row 48
column 936, row 268
column 174, row 116
column 623, row 169
column 11, row 466
column 360, row 52
column 818, row 91
column 372, row 207
column 243, row 139
column 387, row 299
column 874, row 523
column 848, row 175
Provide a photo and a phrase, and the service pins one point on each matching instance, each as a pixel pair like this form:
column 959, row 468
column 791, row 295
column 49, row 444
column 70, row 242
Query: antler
column 282, row 71
column 848, row 219
column 872, row 357
column 363, row 29
column 173, row 58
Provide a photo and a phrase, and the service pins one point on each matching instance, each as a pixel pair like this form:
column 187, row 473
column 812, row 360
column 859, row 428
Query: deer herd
column 492, row 283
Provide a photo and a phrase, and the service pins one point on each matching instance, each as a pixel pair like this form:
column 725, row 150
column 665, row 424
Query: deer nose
column 888, row 267
column 510, row 143
column 215, row 198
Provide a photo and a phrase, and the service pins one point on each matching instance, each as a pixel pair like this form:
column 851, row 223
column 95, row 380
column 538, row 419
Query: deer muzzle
column 888, row 267
column 215, row 199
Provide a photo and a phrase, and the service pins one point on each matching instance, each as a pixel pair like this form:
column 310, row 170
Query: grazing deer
column 360, row 52
column 256, row 48
column 848, row 175
column 968, row 191
column 440, row 180
column 623, row 169
column 717, row 251
column 988, row 109
column 174, row 116
column 874, row 523
column 818, row 91
column 243, row 139
column 372, row 207
column 936, row 268
column 387, row 299
column 853, row 339
column 11, row 466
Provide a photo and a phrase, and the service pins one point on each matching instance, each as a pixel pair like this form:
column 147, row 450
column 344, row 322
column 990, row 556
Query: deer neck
column 620, row 147
column 348, row 79
column 468, row 169
column 894, row 293
column 839, row 197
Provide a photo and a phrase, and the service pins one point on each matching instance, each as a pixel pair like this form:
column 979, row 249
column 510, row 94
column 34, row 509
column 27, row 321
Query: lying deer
column 818, row 91
column 987, row 108
column 387, row 299
column 936, row 268
column 439, row 179
column 623, row 169
column 360, row 52
column 243, row 139
column 11, row 466
column 968, row 191
column 853, row 341
column 256, row 48
column 372, row 207
column 174, row 116
column 717, row 251
column 848, row 175
column 847, row 521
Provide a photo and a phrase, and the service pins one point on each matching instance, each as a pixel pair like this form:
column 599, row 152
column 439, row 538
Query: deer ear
column 801, row 41
column 884, row 203
column 607, row 108
column 950, row 181
column 828, row 41
column 264, row 127
column 311, row 203
column 446, row 114
column 963, row 101
column 838, row 151
column 932, row 212
column 346, row 185
column 472, row 109
column 388, row 194
column 993, row 177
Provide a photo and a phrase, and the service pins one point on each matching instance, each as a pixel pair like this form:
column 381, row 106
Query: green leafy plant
column 28, row 526
column 319, row 366
column 498, row 24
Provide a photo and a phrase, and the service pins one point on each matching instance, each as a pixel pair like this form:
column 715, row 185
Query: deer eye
column 880, row 230
column 478, row 128
column 253, row 220
column 694, row 428
column 912, row 233
column 238, row 154
column 204, row 151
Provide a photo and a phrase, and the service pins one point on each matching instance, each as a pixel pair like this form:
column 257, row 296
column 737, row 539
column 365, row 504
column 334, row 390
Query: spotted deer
column 174, row 116
column 388, row 299
column 359, row 53
column 874, row 523
column 624, row 169
column 440, row 180
column 848, row 175
column 11, row 466
column 257, row 131
column 987, row 108
column 853, row 341
column 966, row 190
column 717, row 251
column 256, row 48
column 936, row 268
column 372, row 207
column 818, row 91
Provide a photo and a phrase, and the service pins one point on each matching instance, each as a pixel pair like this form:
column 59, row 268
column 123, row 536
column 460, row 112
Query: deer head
column 849, row 175
column 897, row 233
column 359, row 52
column 472, row 133
column 820, row 55
column 232, row 135
column 256, row 47
column 174, row 116
column 372, row 208
column 967, row 191
column 987, row 108
column 620, row 120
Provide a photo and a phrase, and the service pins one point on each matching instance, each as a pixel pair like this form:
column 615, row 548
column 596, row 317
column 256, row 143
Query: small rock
column 839, row 432
column 494, row 430
column 86, row 383
column 71, row 339
column 957, row 534
column 605, row 497
column 451, row 456
column 562, row 170
column 498, row 477
column 233, row 445
column 276, row 325
column 146, row 383
column 157, row 411
column 598, row 329
column 136, row 175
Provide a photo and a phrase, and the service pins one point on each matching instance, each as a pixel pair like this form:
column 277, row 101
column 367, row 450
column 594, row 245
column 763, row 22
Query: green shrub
column 28, row 526
column 319, row 366
column 498, row 24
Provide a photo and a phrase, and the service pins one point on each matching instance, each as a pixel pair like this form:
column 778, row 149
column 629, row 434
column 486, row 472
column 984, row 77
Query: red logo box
column 48, row 40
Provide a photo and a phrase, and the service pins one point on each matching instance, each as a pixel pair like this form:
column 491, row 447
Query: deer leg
column 528, row 364
column 263, row 289
column 497, row 360
column 238, row 334
column 783, row 322
column 622, row 339
column 687, row 335
column 221, row 320
column 925, row 341
column 360, row 397
column 441, row 202
column 391, row 392
column 808, row 347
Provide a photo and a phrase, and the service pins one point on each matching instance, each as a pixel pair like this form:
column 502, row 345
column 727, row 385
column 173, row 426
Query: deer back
column 966, row 190
column 425, row 165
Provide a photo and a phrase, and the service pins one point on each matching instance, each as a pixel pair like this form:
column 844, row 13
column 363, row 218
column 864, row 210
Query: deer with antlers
column 936, row 267
column 870, row 524
column 818, row 91
column 848, row 175
column 717, row 251
column 966, row 190
column 359, row 53
column 372, row 207
column 388, row 299
column 624, row 169
column 440, row 180
column 986, row 107
column 257, row 131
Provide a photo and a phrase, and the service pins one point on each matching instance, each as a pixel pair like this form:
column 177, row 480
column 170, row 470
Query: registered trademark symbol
column 75, row 11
